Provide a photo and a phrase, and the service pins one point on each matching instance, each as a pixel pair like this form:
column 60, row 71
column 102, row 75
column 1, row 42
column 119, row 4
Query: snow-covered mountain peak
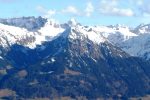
column 72, row 22
column 49, row 31
column 10, row 35
column 31, row 31
column 80, row 32
column 142, row 29
column 30, row 23
column 115, row 34
column 52, row 22
column 120, row 25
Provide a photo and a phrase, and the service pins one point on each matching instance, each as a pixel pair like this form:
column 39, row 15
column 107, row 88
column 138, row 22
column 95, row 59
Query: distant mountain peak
column 81, row 33
column 73, row 22
column 30, row 23
column 33, row 31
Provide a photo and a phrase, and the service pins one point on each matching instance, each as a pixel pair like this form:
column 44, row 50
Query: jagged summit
column 30, row 23
column 72, row 22
column 80, row 33
column 32, row 31
column 48, row 32
column 142, row 29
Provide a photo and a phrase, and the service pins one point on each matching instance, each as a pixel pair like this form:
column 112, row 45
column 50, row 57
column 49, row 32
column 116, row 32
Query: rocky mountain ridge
column 70, row 60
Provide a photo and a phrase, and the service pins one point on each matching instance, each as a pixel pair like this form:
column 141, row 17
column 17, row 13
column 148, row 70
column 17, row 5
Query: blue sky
column 88, row 12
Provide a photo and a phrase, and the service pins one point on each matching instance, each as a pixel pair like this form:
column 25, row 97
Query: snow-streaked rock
column 13, row 31
column 11, row 35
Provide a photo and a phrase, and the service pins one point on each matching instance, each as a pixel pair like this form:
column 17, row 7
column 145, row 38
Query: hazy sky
column 93, row 12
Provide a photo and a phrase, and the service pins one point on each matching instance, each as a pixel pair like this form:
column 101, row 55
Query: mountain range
column 40, row 58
